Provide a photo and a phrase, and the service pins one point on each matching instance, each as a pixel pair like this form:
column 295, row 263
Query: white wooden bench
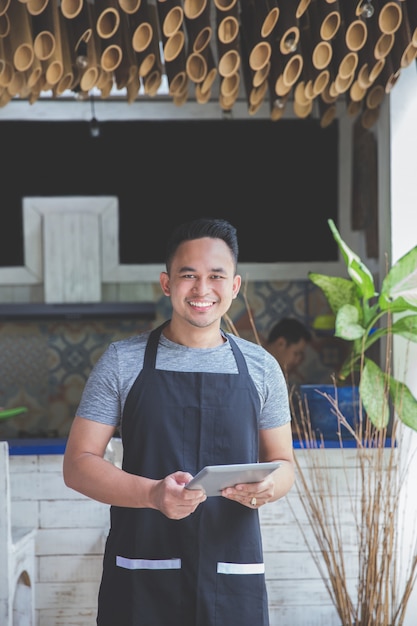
column 17, row 549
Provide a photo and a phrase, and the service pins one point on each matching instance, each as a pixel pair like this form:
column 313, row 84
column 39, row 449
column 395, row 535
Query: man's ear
column 164, row 282
column 237, row 281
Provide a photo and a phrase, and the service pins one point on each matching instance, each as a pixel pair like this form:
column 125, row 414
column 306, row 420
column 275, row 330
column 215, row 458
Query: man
column 287, row 342
column 185, row 395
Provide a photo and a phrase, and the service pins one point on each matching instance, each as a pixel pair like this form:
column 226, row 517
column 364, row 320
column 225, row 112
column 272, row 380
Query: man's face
column 202, row 281
column 289, row 355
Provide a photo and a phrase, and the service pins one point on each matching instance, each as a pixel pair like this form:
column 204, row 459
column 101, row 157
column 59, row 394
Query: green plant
column 363, row 316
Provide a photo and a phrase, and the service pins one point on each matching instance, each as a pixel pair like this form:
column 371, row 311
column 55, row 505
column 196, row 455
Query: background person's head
column 287, row 342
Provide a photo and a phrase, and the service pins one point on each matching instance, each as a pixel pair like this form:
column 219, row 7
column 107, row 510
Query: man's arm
column 85, row 470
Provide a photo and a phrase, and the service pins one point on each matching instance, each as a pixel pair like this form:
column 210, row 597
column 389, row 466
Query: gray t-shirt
column 115, row 372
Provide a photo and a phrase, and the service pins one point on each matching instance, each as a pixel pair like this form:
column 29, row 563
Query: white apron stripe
column 121, row 561
column 240, row 568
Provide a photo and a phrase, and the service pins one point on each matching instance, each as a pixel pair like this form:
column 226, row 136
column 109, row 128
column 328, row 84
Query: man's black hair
column 291, row 329
column 202, row 227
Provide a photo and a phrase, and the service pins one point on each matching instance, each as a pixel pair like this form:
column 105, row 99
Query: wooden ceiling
column 307, row 55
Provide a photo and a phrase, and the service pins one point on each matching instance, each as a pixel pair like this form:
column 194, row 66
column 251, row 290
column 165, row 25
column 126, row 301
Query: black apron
column 206, row 569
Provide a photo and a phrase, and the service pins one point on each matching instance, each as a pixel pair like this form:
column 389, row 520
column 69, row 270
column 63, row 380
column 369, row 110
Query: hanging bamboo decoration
column 79, row 31
column 129, row 6
column 4, row 25
column 174, row 55
column 6, row 63
column 127, row 69
column 107, row 18
column 20, row 35
column 149, row 59
column 54, row 66
column 388, row 15
column 171, row 17
column 4, row 5
column 36, row 7
column 43, row 33
column 287, row 31
column 197, row 19
column 72, row 8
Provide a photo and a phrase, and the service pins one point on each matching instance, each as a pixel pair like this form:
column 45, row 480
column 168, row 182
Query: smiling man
column 184, row 395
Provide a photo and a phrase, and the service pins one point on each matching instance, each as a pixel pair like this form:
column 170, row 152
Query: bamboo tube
column 106, row 85
column 71, row 8
column 276, row 105
column 20, row 37
column 287, row 31
column 411, row 9
column 229, row 63
column 5, row 98
column 356, row 34
column 375, row 96
column 111, row 57
column 388, row 15
column 322, row 55
column 226, row 6
column 259, row 76
column 152, row 82
column 403, row 51
column 108, row 18
column 128, row 68
column 321, row 82
column 54, row 66
column 369, row 117
column 208, row 82
column 202, row 96
column 91, row 71
column 4, row 5
column 354, row 108
column 16, row 84
column 327, row 113
column 196, row 67
column 34, row 73
column 36, row 7
column 4, row 25
column 292, row 69
column 171, row 17
column 43, row 33
column 302, row 111
column 229, row 86
column 130, row 6
column 174, row 55
column 383, row 45
column 323, row 20
column 202, row 40
column 79, row 31
column 301, row 8
column 181, row 98
column 6, row 63
column 300, row 93
column 342, row 84
column 196, row 18
column 132, row 89
column 356, row 92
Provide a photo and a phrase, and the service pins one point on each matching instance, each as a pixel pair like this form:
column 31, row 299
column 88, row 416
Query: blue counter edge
column 57, row 446
column 36, row 446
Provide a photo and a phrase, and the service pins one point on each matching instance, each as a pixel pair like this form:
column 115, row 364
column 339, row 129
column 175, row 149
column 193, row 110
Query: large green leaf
column 348, row 323
column 399, row 287
column 404, row 402
column 357, row 270
column 406, row 327
column 338, row 291
column 374, row 394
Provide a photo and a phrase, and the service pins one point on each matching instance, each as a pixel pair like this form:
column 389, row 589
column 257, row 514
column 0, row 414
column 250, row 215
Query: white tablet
column 214, row 478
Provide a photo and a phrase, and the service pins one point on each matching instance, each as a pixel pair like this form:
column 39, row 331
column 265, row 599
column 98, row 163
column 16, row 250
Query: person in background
column 185, row 395
column 287, row 342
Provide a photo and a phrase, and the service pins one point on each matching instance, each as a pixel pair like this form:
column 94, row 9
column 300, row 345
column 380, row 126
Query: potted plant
column 359, row 504
column 362, row 316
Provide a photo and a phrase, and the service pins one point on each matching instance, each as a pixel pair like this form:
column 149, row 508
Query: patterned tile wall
column 44, row 364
